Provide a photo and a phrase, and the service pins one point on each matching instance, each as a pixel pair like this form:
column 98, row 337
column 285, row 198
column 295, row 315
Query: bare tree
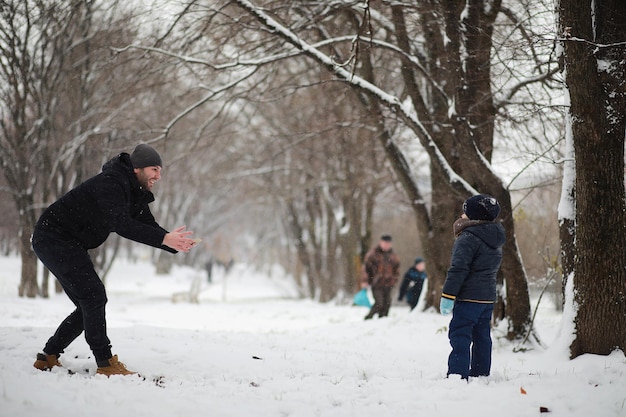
column 65, row 104
column 592, row 35
column 429, row 73
column 35, row 40
column 454, row 122
column 329, row 179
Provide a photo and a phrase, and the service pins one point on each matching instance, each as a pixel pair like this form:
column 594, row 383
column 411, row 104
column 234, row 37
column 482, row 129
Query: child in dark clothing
column 413, row 282
column 469, row 291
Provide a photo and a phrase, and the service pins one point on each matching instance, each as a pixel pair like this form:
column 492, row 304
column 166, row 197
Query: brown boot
column 46, row 362
column 115, row 368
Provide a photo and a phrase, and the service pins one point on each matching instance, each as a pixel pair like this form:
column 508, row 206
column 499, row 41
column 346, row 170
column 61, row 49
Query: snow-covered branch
column 392, row 102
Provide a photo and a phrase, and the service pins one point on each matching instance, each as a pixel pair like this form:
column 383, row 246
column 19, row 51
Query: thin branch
column 176, row 119
column 513, row 90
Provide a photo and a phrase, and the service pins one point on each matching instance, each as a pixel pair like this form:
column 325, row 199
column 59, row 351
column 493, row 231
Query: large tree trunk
column 595, row 73
column 517, row 305
column 475, row 131
column 445, row 208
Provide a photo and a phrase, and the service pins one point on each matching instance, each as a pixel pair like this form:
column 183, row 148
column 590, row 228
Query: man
column 381, row 269
column 469, row 291
column 116, row 200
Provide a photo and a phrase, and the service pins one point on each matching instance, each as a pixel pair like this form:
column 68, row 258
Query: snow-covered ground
column 250, row 348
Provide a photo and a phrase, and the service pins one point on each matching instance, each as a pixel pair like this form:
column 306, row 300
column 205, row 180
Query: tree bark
column 445, row 208
column 595, row 71
column 28, row 281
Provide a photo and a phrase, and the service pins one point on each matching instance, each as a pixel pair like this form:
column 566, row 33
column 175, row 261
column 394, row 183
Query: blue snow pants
column 470, row 338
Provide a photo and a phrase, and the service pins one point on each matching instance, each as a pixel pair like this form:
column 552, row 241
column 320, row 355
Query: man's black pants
column 72, row 266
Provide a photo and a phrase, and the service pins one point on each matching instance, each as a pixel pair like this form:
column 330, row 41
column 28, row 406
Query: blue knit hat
column 481, row 207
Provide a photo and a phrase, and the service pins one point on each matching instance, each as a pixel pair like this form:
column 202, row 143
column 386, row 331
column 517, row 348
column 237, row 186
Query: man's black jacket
column 112, row 201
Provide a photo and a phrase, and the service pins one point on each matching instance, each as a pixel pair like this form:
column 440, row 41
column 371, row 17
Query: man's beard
column 143, row 180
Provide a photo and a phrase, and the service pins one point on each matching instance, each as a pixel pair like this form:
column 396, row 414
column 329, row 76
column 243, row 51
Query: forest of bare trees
column 296, row 132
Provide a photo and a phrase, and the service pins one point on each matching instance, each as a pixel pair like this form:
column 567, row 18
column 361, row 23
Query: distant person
column 381, row 270
column 412, row 283
column 209, row 270
column 469, row 291
column 116, row 200
column 229, row 265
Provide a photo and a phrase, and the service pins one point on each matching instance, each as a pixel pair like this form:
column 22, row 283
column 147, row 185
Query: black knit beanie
column 145, row 156
column 481, row 207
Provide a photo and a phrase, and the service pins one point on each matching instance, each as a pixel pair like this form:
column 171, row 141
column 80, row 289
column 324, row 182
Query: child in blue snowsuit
column 413, row 282
column 469, row 291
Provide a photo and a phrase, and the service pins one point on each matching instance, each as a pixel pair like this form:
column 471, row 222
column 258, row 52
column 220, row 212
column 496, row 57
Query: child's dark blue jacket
column 412, row 275
column 475, row 260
